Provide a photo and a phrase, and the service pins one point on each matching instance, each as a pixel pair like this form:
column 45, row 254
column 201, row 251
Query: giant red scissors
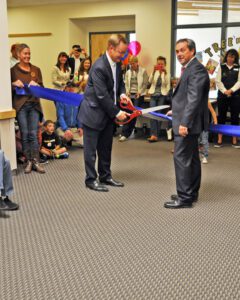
column 136, row 112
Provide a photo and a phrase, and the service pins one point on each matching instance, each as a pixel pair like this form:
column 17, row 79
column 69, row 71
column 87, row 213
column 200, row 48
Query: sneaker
column 62, row 156
column 152, row 139
column 3, row 205
column 36, row 166
column 204, row 160
column 43, row 159
column 218, row 145
column 10, row 205
column 28, row 168
column 122, row 138
column 236, row 146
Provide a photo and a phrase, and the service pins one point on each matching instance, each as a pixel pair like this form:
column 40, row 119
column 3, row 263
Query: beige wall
column 69, row 24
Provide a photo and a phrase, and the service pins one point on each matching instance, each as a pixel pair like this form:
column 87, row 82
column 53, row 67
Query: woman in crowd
column 61, row 72
column 83, row 74
column 158, row 91
column 228, row 84
column 136, row 81
column 28, row 108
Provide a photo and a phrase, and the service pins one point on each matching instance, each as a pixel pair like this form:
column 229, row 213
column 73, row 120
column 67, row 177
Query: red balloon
column 134, row 47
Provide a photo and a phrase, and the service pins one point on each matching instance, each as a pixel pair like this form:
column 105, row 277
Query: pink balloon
column 134, row 47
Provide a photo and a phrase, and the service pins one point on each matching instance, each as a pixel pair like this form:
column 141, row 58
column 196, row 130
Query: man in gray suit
column 98, row 111
column 190, row 117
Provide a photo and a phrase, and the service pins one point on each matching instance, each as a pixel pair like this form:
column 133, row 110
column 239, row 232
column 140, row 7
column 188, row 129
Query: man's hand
column 183, row 131
column 122, row 116
column 80, row 132
column 125, row 99
column 169, row 113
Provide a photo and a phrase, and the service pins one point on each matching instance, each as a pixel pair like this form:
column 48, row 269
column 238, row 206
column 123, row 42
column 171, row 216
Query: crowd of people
column 42, row 139
column 71, row 73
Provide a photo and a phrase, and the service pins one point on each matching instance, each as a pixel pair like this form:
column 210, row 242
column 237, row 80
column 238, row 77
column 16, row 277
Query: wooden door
column 98, row 42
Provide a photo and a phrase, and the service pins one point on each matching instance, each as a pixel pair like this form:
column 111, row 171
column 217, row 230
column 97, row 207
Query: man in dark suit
column 75, row 59
column 190, row 118
column 98, row 111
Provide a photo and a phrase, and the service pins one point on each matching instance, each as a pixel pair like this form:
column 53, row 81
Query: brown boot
column 38, row 167
column 152, row 139
column 28, row 167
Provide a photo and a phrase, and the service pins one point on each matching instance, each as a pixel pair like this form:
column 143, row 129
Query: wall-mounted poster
column 211, row 66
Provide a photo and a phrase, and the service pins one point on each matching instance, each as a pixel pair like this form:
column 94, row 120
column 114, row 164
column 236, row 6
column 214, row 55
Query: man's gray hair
column 190, row 44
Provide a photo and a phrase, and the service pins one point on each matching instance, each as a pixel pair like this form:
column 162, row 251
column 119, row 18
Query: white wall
column 152, row 25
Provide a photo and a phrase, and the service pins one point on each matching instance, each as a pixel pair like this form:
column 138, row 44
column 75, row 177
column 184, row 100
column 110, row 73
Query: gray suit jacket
column 98, row 104
column 190, row 99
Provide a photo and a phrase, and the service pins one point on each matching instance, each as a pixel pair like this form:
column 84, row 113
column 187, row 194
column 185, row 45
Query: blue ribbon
column 231, row 130
column 51, row 94
column 76, row 100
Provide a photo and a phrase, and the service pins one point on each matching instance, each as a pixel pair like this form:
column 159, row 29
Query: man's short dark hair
column 77, row 48
column 190, row 44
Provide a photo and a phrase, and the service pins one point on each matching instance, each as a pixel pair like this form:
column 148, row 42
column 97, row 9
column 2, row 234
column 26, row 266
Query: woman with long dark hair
column 61, row 72
column 228, row 83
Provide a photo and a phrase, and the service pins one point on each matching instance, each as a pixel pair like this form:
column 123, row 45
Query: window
column 233, row 10
column 199, row 12
column 203, row 37
column 214, row 25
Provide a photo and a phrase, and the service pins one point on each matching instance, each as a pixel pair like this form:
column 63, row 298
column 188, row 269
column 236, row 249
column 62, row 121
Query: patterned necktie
column 182, row 70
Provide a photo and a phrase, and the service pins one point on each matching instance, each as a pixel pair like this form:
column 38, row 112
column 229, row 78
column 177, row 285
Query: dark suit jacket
column 190, row 99
column 71, row 62
column 98, row 105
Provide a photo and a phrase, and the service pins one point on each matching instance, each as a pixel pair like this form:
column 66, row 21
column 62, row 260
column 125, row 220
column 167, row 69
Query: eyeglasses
column 120, row 52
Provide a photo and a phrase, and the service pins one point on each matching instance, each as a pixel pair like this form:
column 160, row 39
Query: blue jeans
column 203, row 140
column 6, row 184
column 28, row 119
column 156, row 125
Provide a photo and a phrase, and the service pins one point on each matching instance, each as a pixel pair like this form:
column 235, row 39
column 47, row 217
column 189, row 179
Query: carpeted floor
column 67, row 242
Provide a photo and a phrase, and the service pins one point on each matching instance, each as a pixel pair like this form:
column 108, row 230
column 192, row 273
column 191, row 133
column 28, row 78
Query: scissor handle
column 134, row 115
column 127, row 105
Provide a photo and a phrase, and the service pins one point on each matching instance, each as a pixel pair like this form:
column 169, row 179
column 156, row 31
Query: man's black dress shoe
column 112, row 182
column 97, row 186
column 177, row 204
column 175, row 197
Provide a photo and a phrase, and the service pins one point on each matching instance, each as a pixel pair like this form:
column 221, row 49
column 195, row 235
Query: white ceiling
column 16, row 3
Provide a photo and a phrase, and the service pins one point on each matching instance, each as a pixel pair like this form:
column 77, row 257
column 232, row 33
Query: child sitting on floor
column 51, row 146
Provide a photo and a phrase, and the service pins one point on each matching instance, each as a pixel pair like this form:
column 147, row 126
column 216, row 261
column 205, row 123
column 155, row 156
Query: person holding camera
column 75, row 59
column 158, row 90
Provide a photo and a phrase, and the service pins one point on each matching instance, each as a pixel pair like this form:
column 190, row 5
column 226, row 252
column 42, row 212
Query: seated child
column 51, row 146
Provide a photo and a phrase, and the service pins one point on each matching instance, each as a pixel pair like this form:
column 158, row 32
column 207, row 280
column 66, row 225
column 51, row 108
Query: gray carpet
column 67, row 242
